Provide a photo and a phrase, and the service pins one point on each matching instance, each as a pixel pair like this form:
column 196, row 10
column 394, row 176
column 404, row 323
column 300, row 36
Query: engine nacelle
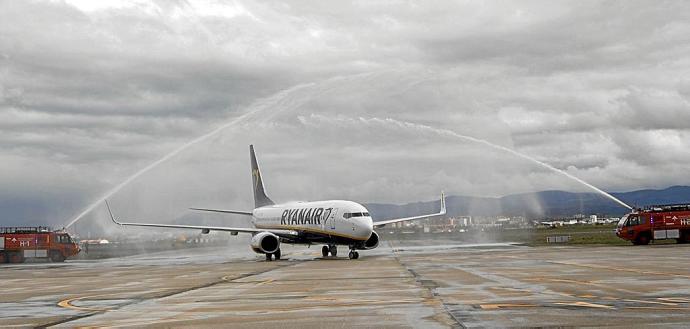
column 265, row 243
column 372, row 242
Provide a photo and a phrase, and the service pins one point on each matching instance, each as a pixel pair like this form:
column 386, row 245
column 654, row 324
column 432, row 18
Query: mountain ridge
column 542, row 204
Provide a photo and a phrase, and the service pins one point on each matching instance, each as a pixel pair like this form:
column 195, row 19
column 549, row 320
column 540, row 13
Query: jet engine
column 372, row 242
column 265, row 243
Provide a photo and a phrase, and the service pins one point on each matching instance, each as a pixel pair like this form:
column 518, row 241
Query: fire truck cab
column 659, row 222
column 20, row 243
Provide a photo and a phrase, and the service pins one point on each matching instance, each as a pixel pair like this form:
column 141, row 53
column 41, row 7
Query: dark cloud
column 90, row 92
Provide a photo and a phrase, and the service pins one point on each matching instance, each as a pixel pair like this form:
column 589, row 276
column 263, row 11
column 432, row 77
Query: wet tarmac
column 420, row 286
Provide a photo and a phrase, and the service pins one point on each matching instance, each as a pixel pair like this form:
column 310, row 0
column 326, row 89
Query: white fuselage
column 331, row 219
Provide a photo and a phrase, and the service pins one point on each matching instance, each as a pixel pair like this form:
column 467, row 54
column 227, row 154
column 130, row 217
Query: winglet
column 443, row 203
column 111, row 213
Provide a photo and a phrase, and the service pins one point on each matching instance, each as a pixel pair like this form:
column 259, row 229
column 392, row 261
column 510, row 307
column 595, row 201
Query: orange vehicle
column 19, row 243
column 659, row 222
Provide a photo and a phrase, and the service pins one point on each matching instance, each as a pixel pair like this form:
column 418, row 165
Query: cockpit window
column 355, row 214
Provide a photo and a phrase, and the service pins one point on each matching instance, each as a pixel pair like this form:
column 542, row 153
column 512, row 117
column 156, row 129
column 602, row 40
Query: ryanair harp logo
column 256, row 175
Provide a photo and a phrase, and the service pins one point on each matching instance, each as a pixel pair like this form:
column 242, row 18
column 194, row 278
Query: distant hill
column 538, row 204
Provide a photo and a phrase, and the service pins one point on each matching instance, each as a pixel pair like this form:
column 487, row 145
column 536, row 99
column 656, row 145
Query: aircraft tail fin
column 260, row 198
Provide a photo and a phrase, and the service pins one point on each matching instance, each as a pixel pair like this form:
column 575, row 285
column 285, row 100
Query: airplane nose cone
column 366, row 226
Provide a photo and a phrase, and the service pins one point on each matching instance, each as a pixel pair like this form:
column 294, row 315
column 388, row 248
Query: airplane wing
column 236, row 212
column 397, row 220
column 205, row 229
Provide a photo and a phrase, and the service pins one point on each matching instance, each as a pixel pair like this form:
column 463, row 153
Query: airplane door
column 331, row 217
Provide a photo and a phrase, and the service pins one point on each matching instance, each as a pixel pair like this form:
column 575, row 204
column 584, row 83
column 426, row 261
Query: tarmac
column 416, row 285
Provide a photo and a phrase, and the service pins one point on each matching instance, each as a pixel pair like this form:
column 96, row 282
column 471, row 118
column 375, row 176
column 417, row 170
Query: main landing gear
column 333, row 250
column 276, row 254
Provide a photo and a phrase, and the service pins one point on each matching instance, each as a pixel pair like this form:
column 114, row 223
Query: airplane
column 331, row 223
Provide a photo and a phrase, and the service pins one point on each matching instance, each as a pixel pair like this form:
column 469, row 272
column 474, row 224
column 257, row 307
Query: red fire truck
column 656, row 223
column 19, row 243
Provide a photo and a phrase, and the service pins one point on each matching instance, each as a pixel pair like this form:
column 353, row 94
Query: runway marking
column 67, row 303
column 560, row 280
column 650, row 302
column 675, row 299
column 499, row 306
column 585, row 304
column 225, row 278
column 236, row 276
column 622, row 269
column 582, row 282
column 656, row 308
column 264, row 282
column 507, row 288
column 504, row 305
column 609, row 298
column 364, row 301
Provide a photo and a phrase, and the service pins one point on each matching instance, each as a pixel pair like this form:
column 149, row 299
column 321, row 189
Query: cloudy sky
column 353, row 100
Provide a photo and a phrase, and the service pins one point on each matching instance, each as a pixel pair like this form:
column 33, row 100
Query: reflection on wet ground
column 412, row 285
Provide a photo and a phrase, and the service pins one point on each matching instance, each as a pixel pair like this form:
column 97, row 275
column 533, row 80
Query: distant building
column 465, row 220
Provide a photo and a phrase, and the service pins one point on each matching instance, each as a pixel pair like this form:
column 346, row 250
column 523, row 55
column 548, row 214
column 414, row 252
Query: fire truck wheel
column 16, row 257
column 57, row 257
column 642, row 240
column 3, row 258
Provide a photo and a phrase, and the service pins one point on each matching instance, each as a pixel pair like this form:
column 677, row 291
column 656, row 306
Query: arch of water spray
column 255, row 109
column 446, row 132
column 279, row 102
column 283, row 101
